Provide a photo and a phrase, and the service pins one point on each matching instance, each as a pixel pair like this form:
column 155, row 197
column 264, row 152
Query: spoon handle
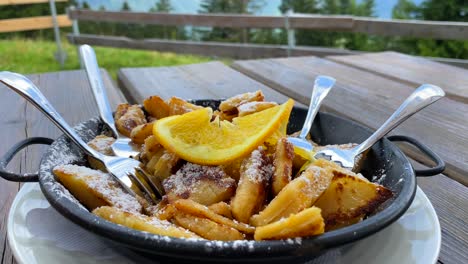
column 24, row 87
column 88, row 57
column 322, row 86
column 424, row 96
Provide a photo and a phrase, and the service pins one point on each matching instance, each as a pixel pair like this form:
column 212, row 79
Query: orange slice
column 193, row 137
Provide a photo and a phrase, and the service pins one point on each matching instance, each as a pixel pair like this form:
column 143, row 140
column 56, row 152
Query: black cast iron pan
column 385, row 163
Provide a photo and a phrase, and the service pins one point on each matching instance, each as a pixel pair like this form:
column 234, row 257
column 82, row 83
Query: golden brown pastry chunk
column 142, row 222
column 204, row 184
column 179, row 106
column 255, row 173
column 349, row 197
column 132, row 118
column 141, row 132
column 229, row 107
column 121, row 110
column 282, row 161
column 232, row 103
column 102, row 144
column 196, row 209
column 253, row 107
column 206, row 228
column 221, row 208
column 156, row 107
column 308, row 222
column 95, row 188
column 299, row 194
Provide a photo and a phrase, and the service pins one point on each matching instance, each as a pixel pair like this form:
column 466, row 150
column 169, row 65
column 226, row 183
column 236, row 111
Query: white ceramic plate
column 38, row 234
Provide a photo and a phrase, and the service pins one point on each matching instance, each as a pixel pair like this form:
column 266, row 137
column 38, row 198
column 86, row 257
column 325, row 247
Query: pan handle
column 27, row 177
column 440, row 164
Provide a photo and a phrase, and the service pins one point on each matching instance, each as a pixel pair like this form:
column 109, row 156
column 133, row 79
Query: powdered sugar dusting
column 189, row 176
column 257, row 168
column 104, row 185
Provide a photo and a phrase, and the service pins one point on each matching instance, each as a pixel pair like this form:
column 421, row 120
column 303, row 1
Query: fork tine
column 157, row 188
column 143, row 188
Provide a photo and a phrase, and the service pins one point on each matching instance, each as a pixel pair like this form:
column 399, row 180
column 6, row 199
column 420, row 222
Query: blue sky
column 383, row 8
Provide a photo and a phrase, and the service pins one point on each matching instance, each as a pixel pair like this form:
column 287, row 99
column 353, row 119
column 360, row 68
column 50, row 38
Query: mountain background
column 383, row 8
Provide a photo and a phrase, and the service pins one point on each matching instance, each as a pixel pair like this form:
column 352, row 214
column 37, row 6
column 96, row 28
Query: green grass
column 35, row 56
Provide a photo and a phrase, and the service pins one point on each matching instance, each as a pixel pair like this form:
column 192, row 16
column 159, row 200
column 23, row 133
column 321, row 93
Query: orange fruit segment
column 193, row 137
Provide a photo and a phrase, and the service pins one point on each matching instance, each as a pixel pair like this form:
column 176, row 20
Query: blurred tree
column 228, row 6
column 332, row 7
column 448, row 10
column 405, row 9
column 166, row 32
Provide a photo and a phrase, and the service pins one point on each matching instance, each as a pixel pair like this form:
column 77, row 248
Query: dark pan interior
column 385, row 164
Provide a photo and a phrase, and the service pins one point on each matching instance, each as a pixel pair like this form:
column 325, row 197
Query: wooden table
column 366, row 96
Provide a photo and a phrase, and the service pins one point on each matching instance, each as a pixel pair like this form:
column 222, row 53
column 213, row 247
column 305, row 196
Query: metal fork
column 322, row 86
column 122, row 146
column 122, row 169
column 424, row 96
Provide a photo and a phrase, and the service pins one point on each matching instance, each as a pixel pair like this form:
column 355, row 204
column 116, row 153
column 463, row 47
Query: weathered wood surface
column 211, row 80
column 220, row 49
column 413, row 28
column 22, row 2
column 370, row 99
column 412, row 70
column 32, row 23
column 71, row 95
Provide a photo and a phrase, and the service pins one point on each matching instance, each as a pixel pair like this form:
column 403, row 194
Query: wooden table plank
column 70, row 93
column 370, row 99
column 198, row 81
column 412, row 70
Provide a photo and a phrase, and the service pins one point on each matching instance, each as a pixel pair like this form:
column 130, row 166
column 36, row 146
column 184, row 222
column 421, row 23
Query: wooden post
column 290, row 32
column 60, row 55
column 76, row 32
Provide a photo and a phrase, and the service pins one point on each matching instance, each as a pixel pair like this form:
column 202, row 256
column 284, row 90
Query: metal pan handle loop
column 27, row 177
column 440, row 164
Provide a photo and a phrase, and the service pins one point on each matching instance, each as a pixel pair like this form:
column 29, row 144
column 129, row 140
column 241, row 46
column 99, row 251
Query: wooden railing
column 39, row 22
column 413, row 28
column 31, row 23
column 290, row 22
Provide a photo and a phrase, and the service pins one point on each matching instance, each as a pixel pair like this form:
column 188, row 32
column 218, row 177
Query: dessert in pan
column 240, row 181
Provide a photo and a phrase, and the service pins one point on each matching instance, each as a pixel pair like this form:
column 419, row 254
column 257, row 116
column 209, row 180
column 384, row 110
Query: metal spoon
column 122, row 146
column 424, row 96
column 322, row 86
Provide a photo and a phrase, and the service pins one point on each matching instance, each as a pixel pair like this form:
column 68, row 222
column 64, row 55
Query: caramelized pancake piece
column 132, row 117
column 221, row 208
column 196, row 209
column 142, row 222
column 253, row 107
column 95, row 188
column 102, row 144
column 121, row 110
column 165, row 165
column 349, row 197
column 255, row 173
column 206, row 228
column 232, row 103
column 179, row 106
column 298, row 195
column 141, row 132
column 283, row 161
column 203, row 184
column 229, row 107
column 308, row 222
column 149, row 148
column 156, row 107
